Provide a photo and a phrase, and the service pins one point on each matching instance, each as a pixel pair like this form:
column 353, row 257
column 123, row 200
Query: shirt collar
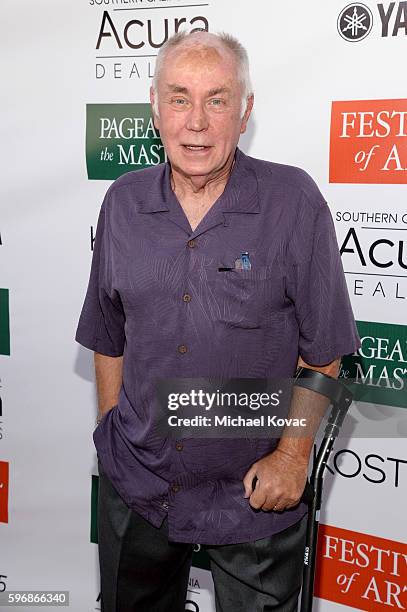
column 240, row 193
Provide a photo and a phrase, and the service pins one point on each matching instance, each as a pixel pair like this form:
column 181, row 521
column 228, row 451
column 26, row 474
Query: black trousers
column 140, row 571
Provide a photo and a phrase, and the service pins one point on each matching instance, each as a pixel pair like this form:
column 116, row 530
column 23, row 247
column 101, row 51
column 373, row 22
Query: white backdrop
column 300, row 65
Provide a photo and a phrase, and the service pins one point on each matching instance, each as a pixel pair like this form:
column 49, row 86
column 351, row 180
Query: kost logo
column 4, row 477
column 368, row 142
column 361, row 571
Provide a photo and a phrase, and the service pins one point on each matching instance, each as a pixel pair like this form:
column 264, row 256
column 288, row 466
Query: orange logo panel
column 3, row 492
column 368, row 142
column 361, row 571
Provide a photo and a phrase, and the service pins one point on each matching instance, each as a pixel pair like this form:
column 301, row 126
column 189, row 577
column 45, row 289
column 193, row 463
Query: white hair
column 206, row 39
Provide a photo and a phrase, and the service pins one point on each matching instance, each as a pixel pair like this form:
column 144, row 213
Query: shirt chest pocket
column 246, row 298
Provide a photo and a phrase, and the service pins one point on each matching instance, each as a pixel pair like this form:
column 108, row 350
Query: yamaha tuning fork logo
column 355, row 22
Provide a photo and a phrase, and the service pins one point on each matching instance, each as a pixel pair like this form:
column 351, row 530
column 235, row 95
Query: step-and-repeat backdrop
column 331, row 97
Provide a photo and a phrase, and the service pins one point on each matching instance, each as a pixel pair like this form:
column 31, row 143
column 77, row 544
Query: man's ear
column 245, row 118
column 153, row 97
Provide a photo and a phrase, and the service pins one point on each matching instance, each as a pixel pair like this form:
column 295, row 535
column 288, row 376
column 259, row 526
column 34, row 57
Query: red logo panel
column 368, row 142
column 3, row 492
column 361, row 571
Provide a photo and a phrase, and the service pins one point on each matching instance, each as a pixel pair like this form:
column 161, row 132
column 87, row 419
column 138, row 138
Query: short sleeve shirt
column 155, row 296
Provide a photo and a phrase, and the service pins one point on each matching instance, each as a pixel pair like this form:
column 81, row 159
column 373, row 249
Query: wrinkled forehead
column 202, row 62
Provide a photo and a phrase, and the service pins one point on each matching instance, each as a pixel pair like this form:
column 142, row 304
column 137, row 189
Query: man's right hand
column 109, row 376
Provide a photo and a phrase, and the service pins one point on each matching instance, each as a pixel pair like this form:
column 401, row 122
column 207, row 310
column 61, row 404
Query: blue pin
column 246, row 265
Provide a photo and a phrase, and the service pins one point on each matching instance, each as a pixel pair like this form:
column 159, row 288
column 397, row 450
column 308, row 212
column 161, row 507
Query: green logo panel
column 4, row 323
column 120, row 138
column 379, row 368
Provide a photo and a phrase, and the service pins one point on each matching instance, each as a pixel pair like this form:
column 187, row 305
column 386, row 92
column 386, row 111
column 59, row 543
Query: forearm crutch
column 341, row 399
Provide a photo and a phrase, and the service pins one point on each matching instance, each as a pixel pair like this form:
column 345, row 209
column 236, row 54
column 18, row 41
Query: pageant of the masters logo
column 379, row 367
column 120, row 138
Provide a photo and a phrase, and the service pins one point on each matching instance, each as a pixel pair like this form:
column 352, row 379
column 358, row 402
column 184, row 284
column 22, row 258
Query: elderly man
column 212, row 264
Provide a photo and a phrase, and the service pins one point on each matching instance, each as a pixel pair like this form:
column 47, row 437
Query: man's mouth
column 195, row 147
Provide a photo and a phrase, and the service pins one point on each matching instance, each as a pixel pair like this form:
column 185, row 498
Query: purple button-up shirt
column 242, row 324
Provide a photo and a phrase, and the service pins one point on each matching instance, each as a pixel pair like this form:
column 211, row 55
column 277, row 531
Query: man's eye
column 179, row 101
column 216, row 102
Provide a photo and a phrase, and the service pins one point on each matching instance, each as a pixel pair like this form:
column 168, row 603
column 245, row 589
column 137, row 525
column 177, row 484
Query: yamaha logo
column 355, row 22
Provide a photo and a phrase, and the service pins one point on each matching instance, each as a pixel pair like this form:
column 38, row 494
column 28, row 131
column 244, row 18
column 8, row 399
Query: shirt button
column 179, row 446
column 182, row 348
column 165, row 505
column 175, row 488
column 186, row 297
column 191, row 243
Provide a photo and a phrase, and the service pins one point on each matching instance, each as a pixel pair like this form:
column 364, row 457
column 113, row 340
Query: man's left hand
column 281, row 479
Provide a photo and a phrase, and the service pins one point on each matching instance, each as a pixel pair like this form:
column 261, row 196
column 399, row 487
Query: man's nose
column 197, row 119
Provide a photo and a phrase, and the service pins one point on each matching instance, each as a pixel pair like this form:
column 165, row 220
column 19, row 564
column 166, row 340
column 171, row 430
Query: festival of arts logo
column 361, row 571
column 368, row 142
